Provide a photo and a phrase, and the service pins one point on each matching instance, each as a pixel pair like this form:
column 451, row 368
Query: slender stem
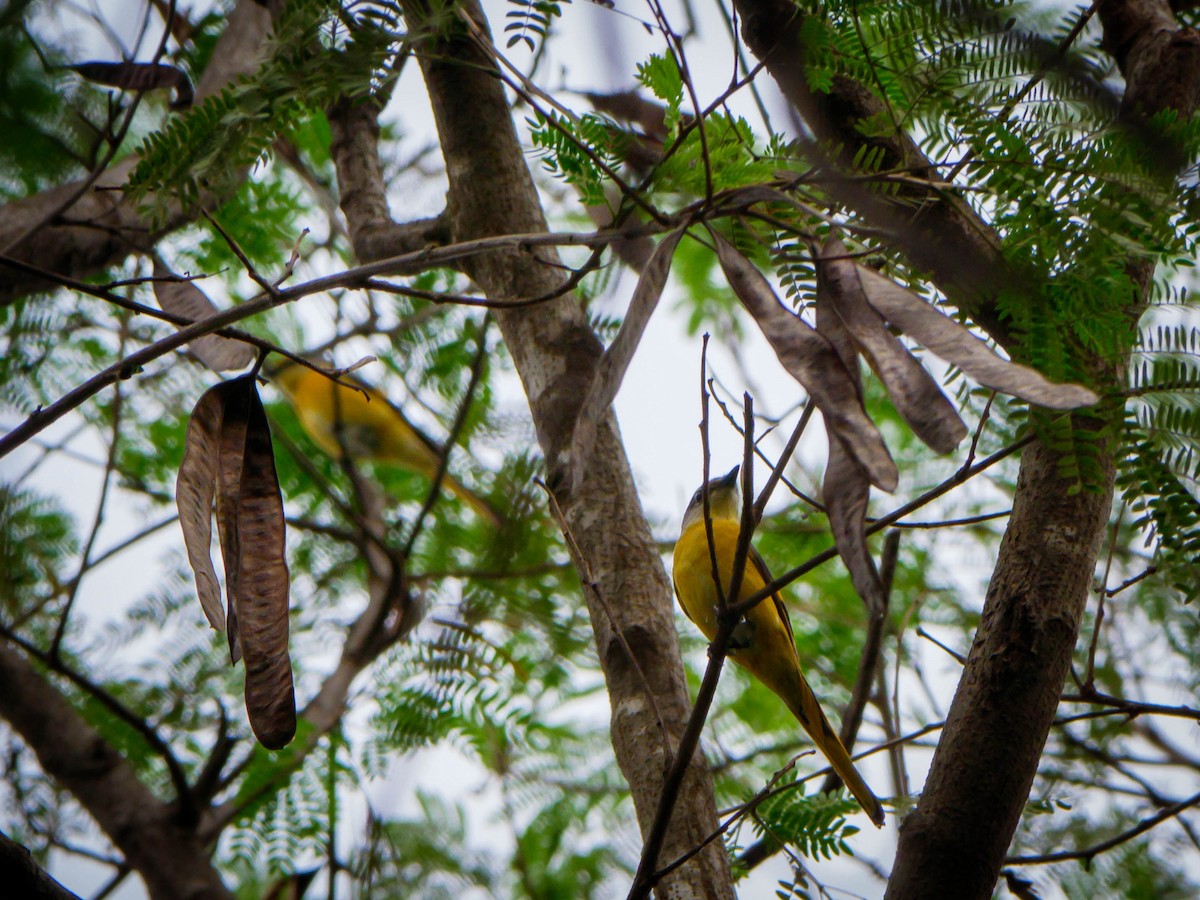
column 1087, row 854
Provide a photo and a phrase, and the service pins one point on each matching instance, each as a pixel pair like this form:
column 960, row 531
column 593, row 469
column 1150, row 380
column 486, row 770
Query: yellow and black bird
column 763, row 643
column 362, row 423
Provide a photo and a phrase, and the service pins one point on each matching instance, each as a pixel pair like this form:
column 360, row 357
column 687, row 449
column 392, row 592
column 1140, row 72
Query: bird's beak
column 730, row 480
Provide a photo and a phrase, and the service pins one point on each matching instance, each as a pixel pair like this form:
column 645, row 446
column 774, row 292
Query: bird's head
column 722, row 500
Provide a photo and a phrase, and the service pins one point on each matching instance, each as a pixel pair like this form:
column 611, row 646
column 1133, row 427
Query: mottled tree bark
column 491, row 193
column 955, row 842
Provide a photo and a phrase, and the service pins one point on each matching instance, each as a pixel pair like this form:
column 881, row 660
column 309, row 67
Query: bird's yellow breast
column 765, row 646
column 692, row 572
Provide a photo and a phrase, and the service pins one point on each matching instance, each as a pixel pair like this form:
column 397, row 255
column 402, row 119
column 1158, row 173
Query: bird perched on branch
column 360, row 422
column 762, row 642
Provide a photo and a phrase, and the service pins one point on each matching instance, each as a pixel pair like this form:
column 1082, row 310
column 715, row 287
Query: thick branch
column 362, row 193
column 172, row 861
column 938, row 231
column 24, row 877
column 1006, row 701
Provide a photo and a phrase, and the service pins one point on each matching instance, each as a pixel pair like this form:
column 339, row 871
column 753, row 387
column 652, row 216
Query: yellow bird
column 365, row 425
column 763, row 643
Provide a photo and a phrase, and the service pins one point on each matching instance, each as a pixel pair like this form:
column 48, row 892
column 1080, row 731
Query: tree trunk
column 492, row 193
column 955, row 841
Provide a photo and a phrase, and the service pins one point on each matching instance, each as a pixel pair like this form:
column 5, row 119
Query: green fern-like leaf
column 579, row 150
column 1165, row 500
column 206, row 150
column 530, row 21
column 660, row 75
column 36, row 538
column 816, row 825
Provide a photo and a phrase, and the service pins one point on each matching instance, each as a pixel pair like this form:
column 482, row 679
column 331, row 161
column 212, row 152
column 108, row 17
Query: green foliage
column 579, row 150
column 547, row 863
column 661, row 76
column 815, row 826
column 431, row 848
column 41, row 339
column 1161, row 438
column 290, row 817
column 529, row 22
column 723, row 149
column 208, row 148
column 264, row 216
column 41, row 141
column 1151, row 479
column 1137, row 871
column 36, row 538
column 502, row 678
column 707, row 299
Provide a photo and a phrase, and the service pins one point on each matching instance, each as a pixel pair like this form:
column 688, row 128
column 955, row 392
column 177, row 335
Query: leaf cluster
column 206, row 151
column 815, row 825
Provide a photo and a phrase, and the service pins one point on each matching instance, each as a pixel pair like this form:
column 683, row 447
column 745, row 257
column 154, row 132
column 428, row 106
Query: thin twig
column 929, row 496
column 237, row 250
column 355, row 277
column 115, row 141
column 958, row 657
column 872, row 653
column 646, row 876
column 804, row 416
column 122, row 712
column 1089, row 853
column 745, row 859
column 1102, row 590
column 1060, row 51
column 869, row 663
column 784, row 458
column 1130, row 582
column 110, row 466
column 590, row 582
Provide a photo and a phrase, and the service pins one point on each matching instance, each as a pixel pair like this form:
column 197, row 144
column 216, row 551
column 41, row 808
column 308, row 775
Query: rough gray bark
column 171, row 860
column 953, row 844
column 491, row 193
column 555, row 351
column 1009, row 693
column 374, row 234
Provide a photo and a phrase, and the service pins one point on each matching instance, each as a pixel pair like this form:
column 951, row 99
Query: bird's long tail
column 804, row 706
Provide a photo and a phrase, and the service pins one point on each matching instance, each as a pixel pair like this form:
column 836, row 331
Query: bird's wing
column 764, row 573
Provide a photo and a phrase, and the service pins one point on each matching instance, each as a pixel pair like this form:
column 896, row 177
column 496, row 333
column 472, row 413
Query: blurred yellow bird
column 366, row 426
column 763, row 643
